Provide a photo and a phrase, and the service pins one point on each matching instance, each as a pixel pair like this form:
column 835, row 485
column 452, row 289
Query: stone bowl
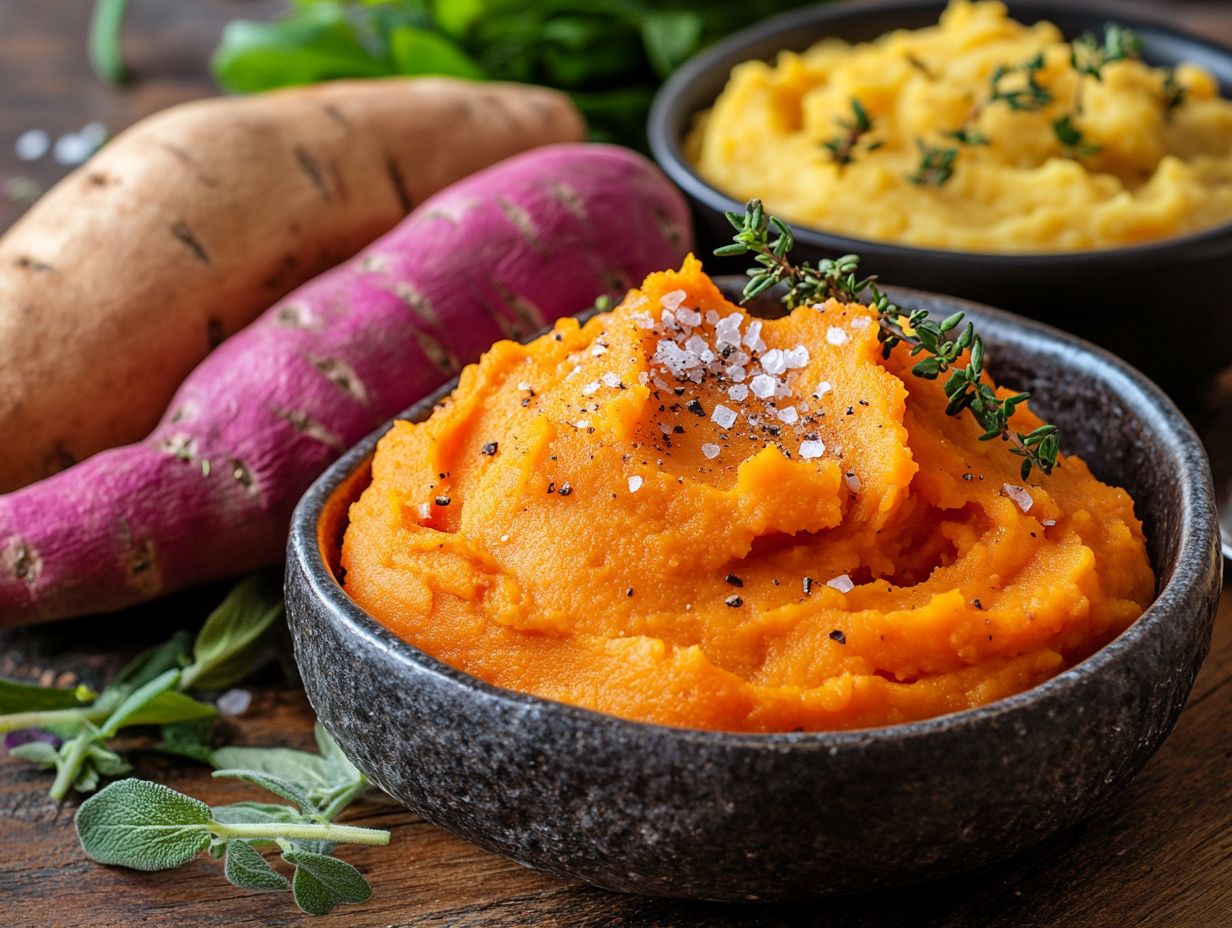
column 667, row 811
column 1081, row 292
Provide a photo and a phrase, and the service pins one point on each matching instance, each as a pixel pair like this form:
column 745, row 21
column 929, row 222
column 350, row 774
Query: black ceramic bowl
column 1163, row 306
column 677, row 812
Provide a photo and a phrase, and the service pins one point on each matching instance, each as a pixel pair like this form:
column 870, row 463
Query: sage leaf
column 255, row 812
column 228, row 647
column 171, row 707
column 321, row 882
column 308, row 771
column 142, row 825
column 276, row 785
column 246, row 868
column 37, row 752
column 26, row 697
column 137, row 700
column 155, row 661
column 339, row 763
column 107, row 762
column 189, row 739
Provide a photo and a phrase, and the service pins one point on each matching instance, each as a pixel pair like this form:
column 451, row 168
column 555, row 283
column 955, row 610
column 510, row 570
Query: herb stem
column 50, row 717
column 272, row 831
column 70, row 768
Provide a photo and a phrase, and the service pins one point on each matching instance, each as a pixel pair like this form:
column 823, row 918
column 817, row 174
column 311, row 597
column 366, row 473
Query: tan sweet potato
column 183, row 229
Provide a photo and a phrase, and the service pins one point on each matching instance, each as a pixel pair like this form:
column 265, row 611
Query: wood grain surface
column 1159, row 856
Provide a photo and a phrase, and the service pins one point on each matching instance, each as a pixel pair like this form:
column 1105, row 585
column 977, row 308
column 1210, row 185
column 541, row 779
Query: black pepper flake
column 775, row 581
column 773, row 429
column 808, row 586
column 489, row 449
column 679, row 391
column 734, row 601
column 838, row 636
column 863, row 402
column 552, row 486
column 977, row 604
column 629, row 591
column 734, row 580
column 526, row 401
column 559, row 337
column 678, row 429
column 565, row 489
column 968, row 476
column 851, row 410
column 695, row 406
column 443, row 501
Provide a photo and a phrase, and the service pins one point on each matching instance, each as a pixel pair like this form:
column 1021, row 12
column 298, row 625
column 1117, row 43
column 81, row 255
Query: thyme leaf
column 843, row 148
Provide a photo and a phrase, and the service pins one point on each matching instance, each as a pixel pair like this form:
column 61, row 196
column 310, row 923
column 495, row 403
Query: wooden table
column 1160, row 856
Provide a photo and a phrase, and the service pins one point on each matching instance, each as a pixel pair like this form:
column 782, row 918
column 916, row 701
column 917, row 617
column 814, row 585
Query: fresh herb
column 148, row 826
column 967, row 135
column 936, row 165
column 843, row 148
column 1173, row 93
column 1025, row 95
column 1089, row 55
column 149, row 691
column 1071, row 139
column 106, row 24
column 836, row 279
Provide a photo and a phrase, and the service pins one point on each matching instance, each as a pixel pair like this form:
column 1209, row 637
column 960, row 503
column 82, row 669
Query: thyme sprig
column 943, row 343
column 1173, row 93
column 843, row 148
column 936, row 165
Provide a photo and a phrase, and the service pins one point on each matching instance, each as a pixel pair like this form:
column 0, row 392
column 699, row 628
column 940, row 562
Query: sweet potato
column 210, row 492
column 187, row 226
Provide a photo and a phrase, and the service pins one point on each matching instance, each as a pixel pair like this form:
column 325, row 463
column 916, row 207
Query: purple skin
column 209, row 493
column 22, row 736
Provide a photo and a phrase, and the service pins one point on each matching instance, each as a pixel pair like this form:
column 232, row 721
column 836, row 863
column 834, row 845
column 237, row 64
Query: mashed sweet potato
column 1158, row 171
column 680, row 514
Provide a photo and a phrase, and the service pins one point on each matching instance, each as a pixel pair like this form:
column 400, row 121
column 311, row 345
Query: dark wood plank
column 1160, row 856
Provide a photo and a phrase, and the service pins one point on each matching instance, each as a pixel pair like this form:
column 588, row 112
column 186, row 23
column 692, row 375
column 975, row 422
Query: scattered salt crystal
column 705, row 356
column 752, row 335
column 804, row 408
column 635, row 483
column 852, row 480
column 774, row 361
column 72, row 149
column 796, row 357
column 689, row 316
column 712, row 317
column 671, row 301
column 665, row 428
column 611, row 379
column 788, row 416
column 599, row 351
column 822, row 389
column 643, row 320
column 1049, row 523
column 727, row 330
column 782, row 390
column 582, row 424
column 696, row 375
column 592, row 387
column 32, row 145
column 662, row 384
column 234, row 702
column 643, row 377
column 725, row 418
column 667, row 318
column 861, row 322
column 738, row 392
column 736, row 372
column 710, row 451
column 835, row 335
column 696, row 344
column 504, row 537
column 812, row 449
column 842, row 583
column 739, row 357
column 673, row 357
column 1019, row 495
column 763, row 386
column 424, row 510
column 523, row 385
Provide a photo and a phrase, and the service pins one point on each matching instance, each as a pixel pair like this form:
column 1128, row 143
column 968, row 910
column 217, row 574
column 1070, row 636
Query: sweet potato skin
column 210, row 492
column 188, row 225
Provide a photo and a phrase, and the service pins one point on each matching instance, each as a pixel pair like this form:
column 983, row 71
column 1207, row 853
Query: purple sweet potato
column 210, row 492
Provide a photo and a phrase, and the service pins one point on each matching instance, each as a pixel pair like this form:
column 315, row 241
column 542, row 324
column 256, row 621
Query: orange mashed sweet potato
column 679, row 514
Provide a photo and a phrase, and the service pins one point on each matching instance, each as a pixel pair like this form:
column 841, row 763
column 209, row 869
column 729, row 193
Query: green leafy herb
column 1173, row 93
column 105, row 27
column 148, row 691
column 843, row 148
column 1089, row 55
column 942, row 349
column 936, row 165
column 1070, row 137
column 1025, row 95
column 966, row 135
column 148, row 826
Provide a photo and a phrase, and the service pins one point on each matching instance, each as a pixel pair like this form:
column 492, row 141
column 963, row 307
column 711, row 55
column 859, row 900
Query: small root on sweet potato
column 341, row 375
column 522, row 222
column 21, row 561
column 305, row 424
column 181, row 231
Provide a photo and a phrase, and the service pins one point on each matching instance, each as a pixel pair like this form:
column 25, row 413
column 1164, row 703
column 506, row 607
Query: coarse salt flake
column 822, row 389
column 852, row 479
column 796, row 357
column 695, row 344
column 842, row 583
column 671, row 301
column 727, row 331
column 813, row 448
column 1022, row 499
column 774, row 361
column 592, row 387
column 611, row 379
column 643, row 320
column 763, row 386
column 736, row 372
column 582, row 424
column 712, row 317
column 689, row 316
column 635, row 483
column 835, row 335
column 723, row 417
column 788, row 416
column 523, row 385
column 738, row 392
column 424, row 510
column 599, row 351
column 752, row 335
column 710, row 450
column 861, row 322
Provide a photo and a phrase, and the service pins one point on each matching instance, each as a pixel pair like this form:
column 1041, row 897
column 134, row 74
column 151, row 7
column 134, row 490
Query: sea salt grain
column 590, row 388
column 689, row 317
column 643, row 320
column 696, row 344
column 789, row 416
column 842, row 583
column 671, row 301
column 599, row 351
column 835, row 335
column 852, row 480
column 611, row 379
column 812, row 449
column 635, row 483
column 727, row 331
column 1022, row 499
column 723, row 417
column 822, row 389
column 752, row 336
column 738, row 392
column 796, row 357
column 424, row 510
column 736, row 372
column 523, row 385
column 32, row 145
column 861, row 322
column 710, row 451
column 712, row 317
column 582, row 424
column 774, row 361
column 763, row 386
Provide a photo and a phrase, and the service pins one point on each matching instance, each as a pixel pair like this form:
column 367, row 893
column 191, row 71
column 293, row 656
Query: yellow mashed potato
column 1159, row 172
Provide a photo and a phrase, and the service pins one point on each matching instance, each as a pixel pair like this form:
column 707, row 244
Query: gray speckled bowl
column 675, row 812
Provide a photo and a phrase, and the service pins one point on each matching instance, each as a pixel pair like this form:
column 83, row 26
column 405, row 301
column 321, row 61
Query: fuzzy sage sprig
column 942, row 349
column 70, row 730
column 148, row 826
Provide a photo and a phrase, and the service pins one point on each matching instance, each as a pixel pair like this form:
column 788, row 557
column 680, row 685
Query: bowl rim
column 668, row 152
column 1195, row 570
